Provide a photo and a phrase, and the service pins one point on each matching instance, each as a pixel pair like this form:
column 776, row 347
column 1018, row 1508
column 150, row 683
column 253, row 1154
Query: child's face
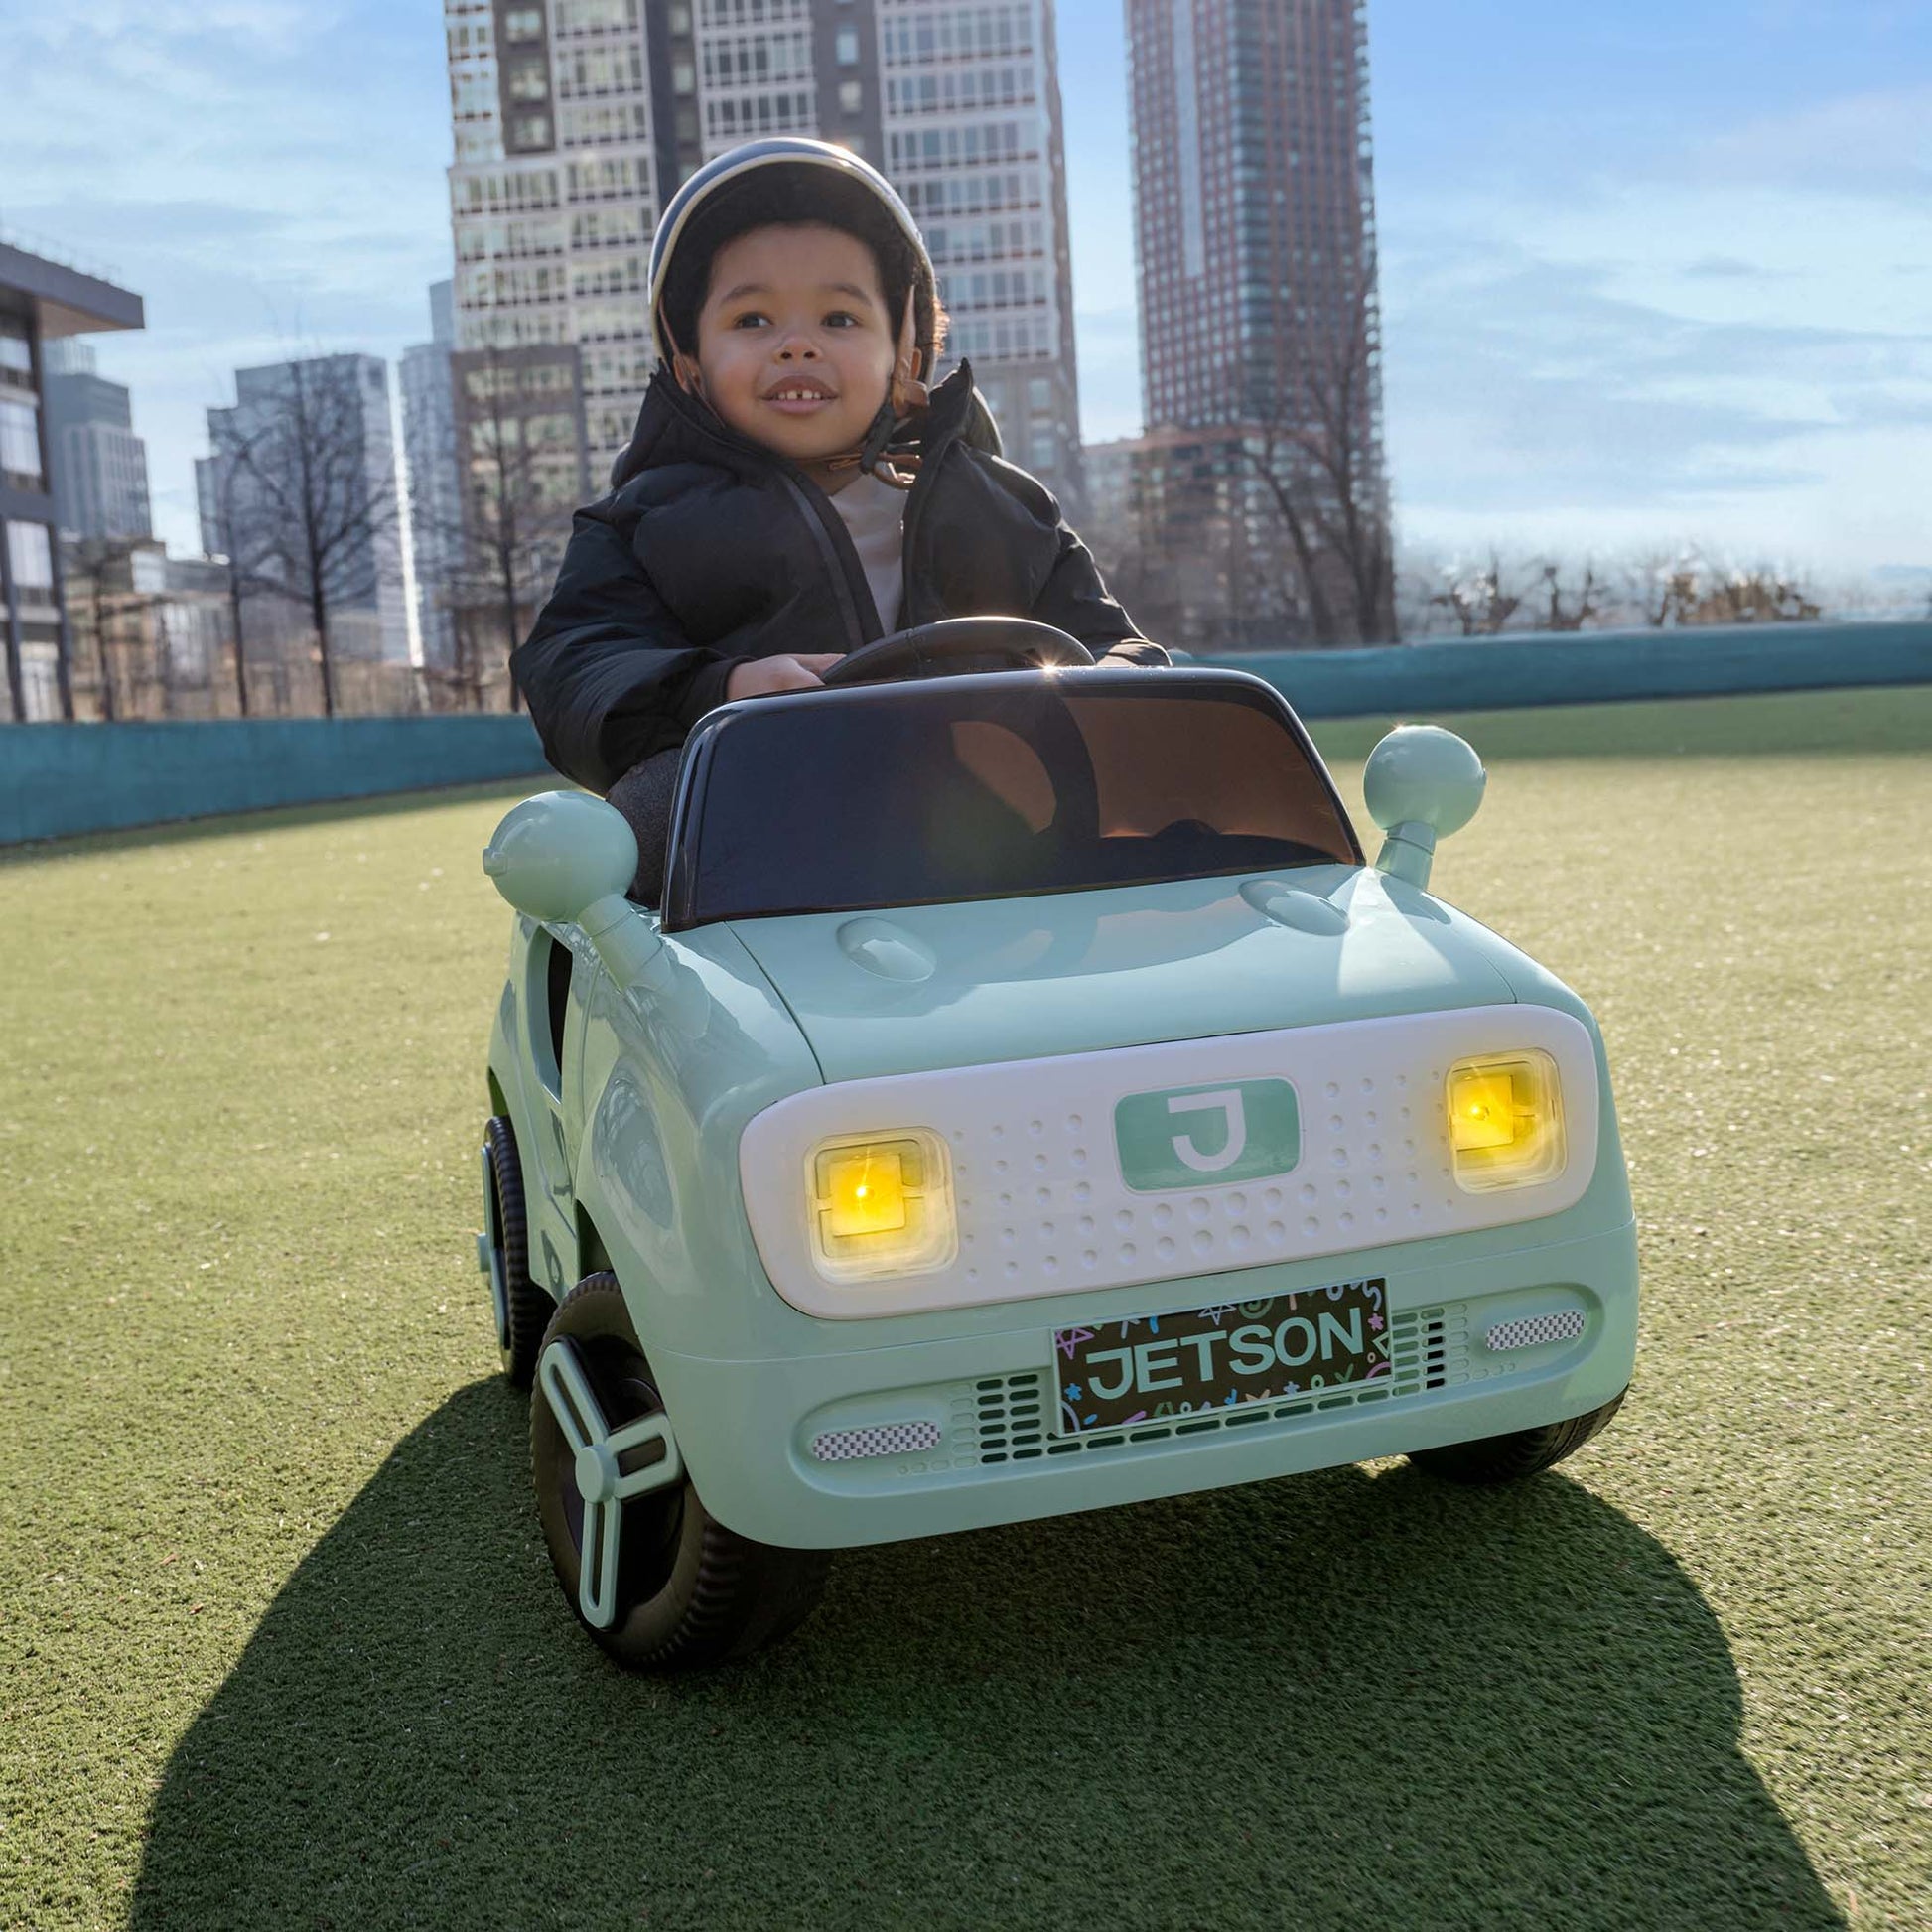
column 794, row 341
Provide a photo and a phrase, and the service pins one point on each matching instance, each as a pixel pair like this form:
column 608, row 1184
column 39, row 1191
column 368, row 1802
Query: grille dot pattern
column 1535, row 1330
column 888, row 1439
column 1038, row 1185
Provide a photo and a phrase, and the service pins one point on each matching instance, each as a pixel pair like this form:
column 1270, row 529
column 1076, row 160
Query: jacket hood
column 675, row 428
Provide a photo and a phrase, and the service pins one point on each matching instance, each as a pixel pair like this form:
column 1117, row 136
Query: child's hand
column 765, row 674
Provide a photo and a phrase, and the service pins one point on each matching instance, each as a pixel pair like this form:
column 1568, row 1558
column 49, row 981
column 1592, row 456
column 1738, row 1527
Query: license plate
column 1159, row 1366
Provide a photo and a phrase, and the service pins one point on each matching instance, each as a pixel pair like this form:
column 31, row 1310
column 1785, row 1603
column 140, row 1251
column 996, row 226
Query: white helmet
column 788, row 178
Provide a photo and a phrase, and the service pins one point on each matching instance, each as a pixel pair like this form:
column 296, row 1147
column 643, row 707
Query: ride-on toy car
column 1025, row 1099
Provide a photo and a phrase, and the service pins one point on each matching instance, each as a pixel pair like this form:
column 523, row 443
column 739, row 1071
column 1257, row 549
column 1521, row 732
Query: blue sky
column 1651, row 273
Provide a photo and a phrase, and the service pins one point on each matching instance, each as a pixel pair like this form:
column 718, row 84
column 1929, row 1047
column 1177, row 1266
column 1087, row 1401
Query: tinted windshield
column 975, row 787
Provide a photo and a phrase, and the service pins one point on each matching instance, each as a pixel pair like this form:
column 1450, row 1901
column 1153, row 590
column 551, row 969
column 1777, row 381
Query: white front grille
column 1044, row 1208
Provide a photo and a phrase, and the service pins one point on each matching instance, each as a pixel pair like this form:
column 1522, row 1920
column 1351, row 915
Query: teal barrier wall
column 58, row 779
column 1499, row 673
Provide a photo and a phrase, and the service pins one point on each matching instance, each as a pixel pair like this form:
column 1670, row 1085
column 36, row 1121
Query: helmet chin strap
column 906, row 396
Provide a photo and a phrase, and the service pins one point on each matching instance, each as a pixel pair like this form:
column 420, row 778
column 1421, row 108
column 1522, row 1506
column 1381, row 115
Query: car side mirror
column 564, row 858
column 1420, row 783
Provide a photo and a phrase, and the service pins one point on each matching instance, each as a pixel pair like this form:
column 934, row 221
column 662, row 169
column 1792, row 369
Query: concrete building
column 151, row 632
column 1260, row 345
column 435, row 481
column 325, row 420
column 1189, row 540
column 40, row 302
column 100, row 466
column 575, row 120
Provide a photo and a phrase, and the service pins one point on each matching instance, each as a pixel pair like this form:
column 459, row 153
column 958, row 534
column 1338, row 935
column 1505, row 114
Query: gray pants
column 643, row 796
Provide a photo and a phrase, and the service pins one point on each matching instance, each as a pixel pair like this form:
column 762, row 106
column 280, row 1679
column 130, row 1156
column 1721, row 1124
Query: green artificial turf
column 280, row 1642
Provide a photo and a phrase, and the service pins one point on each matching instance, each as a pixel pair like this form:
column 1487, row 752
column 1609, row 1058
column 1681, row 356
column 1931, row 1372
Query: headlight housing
column 1506, row 1121
column 881, row 1204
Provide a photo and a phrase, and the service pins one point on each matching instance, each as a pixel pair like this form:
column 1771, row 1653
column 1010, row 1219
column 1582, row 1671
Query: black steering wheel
column 932, row 649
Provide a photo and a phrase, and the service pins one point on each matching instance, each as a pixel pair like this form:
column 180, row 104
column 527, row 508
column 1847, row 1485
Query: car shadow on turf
column 1332, row 1700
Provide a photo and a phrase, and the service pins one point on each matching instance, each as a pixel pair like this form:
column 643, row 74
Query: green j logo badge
column 1188, row 1136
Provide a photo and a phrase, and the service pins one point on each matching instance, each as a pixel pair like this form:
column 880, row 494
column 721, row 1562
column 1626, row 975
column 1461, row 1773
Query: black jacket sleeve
column 609, row 677
column 1076, row 601
column 1073, row 597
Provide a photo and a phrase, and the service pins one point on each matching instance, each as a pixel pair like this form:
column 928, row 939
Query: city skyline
column 575, row 120
column 1656, row 275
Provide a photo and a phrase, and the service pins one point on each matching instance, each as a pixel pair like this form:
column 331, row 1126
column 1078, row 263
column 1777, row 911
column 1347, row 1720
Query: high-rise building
column 301, row 489
column 577, row 119
column 1255, row 224
column 100, row 466
column 1254, row 197
column 40, row 302
column 435, row 483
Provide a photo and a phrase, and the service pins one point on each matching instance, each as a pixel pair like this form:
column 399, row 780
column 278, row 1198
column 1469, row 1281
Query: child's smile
column 801, row 395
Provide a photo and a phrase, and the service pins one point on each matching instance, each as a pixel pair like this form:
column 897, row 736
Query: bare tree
column 1567, row 608
column 519, row 447
column 313, row 504
column 1317, row 453
column 99, row 595
column 1683, row 586
column 1480, row 601
column 231, row 451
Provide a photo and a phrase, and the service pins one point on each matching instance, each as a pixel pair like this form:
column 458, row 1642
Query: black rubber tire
column 691, row 1592
column 526, row 1308
column 1509, row 1459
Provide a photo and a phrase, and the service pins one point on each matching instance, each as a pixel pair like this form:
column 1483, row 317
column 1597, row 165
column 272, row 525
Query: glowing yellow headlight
column 865, row 1192
column 881, row 1204
column 1482, row 1110
column 1506, row 1121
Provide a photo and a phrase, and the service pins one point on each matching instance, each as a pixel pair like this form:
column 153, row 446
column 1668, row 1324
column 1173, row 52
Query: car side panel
column 672, row 1068
column 536, row 1117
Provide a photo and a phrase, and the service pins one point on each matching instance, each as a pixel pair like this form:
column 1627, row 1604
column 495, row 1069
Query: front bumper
column 935, row 1437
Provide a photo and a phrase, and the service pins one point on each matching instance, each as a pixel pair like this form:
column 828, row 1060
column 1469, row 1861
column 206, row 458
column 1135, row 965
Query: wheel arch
column 603, row 1243
column 592, row 1257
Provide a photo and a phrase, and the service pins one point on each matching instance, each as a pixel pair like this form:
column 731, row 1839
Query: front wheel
column 521, row 1307
column 1509, row 1459
column 652, row 1576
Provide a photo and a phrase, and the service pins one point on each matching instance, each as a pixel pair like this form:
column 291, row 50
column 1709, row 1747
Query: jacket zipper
column 829, row 549
column 835, row 546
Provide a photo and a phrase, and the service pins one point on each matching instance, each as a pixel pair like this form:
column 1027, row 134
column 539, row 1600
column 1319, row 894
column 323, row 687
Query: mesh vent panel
column 888, row 1439
column 1535, row 1330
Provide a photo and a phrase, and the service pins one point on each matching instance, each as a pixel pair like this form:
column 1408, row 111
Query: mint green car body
column 632, row 1120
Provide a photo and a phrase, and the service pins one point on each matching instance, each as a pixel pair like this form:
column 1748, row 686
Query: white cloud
column 1877, row 144
column 1731, row 342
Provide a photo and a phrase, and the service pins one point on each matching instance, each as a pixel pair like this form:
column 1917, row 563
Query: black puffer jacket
column 711, row 549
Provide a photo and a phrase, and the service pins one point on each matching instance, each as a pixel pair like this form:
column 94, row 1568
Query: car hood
column 964, row 984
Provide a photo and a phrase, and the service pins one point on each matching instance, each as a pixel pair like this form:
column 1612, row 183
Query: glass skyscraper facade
column 1256, row 500
column 1254, row 199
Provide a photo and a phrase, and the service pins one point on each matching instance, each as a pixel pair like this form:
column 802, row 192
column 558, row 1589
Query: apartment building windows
column 20, row 442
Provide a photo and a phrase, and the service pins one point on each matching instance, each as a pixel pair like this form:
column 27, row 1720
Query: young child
column 792, row 490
